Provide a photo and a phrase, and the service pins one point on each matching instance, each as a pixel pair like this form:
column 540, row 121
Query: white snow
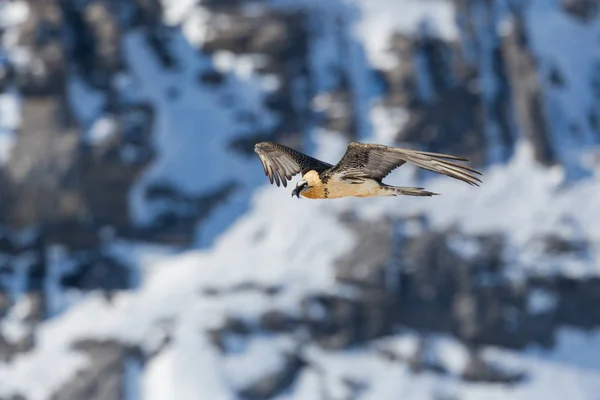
column 387, row 123
column 269, row 233
column 224, row 61
column 194, row 130
column 393, row 380
column 102, row 129
column 7, row 141
column 264, row 355
column 10, row 120
column 557, row 39
column 261, row 236
column 499, row 206
column 173, row 291
column 10, row 111
column 381, row 18
column 177, row 11
column 195, row 26
column 541, row 301
column 13, row 13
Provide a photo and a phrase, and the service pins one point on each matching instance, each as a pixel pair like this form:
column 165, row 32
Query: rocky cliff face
column 496, row 83
column 112, row 112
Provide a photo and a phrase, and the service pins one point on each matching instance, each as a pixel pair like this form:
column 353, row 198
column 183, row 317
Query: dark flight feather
column 375, row 161
column 281, row 163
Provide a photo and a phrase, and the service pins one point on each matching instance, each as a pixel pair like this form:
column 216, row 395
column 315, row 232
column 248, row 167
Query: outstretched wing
column 281, row 163
column 376, row 161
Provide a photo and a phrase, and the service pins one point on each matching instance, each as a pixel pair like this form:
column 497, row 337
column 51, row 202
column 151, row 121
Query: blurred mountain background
column 144, row 255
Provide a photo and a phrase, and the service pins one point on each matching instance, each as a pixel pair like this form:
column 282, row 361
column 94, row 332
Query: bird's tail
column 388, row 190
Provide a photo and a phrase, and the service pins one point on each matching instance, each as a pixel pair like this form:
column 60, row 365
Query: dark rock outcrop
column 62, row 192
column 104, row 378
column 584, row 10
column 276, row 383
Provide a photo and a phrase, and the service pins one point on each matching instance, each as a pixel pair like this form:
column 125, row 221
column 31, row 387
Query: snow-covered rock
column 143, row 255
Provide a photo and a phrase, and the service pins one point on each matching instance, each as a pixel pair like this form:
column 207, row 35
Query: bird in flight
column 359, row 173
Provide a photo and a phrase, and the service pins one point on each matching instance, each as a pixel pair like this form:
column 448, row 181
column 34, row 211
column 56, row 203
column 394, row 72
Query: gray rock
column 525, row 79
column 479, row 370
column 584, row 10
column 276, row 383
column 104, row 377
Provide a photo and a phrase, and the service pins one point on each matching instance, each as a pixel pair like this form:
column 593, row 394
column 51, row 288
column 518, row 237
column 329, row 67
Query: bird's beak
column 296, row 191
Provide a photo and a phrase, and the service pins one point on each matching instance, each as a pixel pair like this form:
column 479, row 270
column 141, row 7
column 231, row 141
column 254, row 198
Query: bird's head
column 300, row 187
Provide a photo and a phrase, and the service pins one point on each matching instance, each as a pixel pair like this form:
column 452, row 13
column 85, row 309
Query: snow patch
column 541, row 301
column 10, row 120
column 13, row 13
column 382, row 18
column 102, row 130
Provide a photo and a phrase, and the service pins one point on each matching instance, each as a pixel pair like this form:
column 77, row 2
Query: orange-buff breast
column 314, row 192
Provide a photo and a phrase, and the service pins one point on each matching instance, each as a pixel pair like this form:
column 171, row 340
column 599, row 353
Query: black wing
column 376, row 161
column 281, row 163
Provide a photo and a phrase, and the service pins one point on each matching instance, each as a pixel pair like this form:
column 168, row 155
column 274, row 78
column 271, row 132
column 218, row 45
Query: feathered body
column 359, row 173
column 336, row 188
